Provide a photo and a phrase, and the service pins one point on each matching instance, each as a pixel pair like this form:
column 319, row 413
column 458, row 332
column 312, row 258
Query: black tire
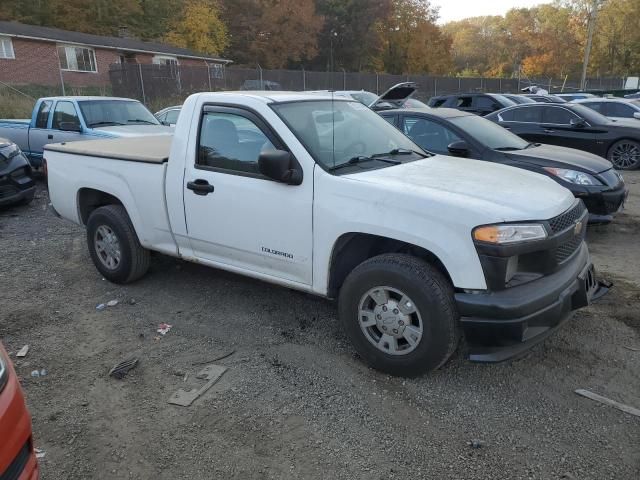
column 134, row 259
column 616, row 157
column 27, row 200
column 432, row 295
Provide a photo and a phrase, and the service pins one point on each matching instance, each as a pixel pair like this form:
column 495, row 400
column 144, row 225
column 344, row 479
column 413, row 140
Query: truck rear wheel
column 400, row 315
column 114, row 245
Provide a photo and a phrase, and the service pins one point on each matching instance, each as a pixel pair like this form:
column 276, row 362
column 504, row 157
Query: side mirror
column 578, row 123
column 280, row 166
column 70, row 127
column 636, row 115
column 459, row 149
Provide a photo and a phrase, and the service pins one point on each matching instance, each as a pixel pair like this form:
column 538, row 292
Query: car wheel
column 114, row 245
column 625, row 155
column 400, row 315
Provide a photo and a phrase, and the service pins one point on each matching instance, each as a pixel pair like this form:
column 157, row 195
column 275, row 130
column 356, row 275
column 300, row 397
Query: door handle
column 549, row 130
column 50, row 137
column 200, row 187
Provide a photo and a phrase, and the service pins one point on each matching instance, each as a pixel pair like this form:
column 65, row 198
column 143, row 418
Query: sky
column 459, row 9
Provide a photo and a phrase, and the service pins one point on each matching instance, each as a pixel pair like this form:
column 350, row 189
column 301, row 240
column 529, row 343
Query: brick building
column 31, row 54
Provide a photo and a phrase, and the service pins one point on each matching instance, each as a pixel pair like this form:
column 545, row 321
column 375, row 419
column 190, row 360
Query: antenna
column 333, row 130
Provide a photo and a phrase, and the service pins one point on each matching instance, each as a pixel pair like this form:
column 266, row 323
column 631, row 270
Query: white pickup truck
column 322, row 195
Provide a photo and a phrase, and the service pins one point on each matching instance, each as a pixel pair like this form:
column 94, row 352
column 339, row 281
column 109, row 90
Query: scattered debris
column 40, row 454
column 39, row 373
column 35, row 373
column 112, row 303
column 475, row 443
column 132, row 301
column 120, row 370
column 211, row 373
column 43, row 372
column 215, row 359
column 164, row 328
column 23, row 351
column 607, row 401
column 633, row 349
column 101, row 307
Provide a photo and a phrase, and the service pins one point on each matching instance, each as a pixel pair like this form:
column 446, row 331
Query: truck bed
column 136, row 149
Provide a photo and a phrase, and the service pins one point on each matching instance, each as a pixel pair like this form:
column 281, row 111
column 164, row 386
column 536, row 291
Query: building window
column 77, row 59
column 165, row 60
column 6, row 48
column 216, row 70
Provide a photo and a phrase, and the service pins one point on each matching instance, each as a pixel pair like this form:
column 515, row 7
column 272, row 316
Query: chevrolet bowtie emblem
column 578, row 228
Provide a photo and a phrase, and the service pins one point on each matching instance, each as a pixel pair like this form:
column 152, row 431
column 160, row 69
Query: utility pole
column 593, row 13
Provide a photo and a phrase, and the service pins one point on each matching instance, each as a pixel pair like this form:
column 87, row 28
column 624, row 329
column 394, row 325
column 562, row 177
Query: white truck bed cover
column 136, row 149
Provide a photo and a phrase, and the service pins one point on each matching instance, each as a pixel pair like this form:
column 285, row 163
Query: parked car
column 321, row 194
column 17, row 457
column 615, row 108
column 518, row 98
column 68, row 119
column 570, row 97
column 633, row 95
column 398, row 96
column 263, row 85
column 478, row 103
column 452, row 132
column 575, row 126
column 168, row 116
column 545, row 98
column 16, row 184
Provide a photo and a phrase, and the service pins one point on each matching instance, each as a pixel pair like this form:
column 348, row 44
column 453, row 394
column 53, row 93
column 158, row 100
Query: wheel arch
column 90, row 199
column 351, row 249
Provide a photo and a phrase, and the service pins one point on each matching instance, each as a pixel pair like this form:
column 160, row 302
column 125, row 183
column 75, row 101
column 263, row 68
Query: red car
column 17, row 458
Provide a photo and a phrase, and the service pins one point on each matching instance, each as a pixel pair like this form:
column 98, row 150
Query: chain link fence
column 163, row 85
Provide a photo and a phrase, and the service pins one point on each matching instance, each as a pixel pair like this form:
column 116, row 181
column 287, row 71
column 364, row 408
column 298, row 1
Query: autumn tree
column 199, row 28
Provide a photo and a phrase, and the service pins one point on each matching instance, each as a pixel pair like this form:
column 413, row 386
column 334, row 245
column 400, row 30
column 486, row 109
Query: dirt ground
column 296, row 402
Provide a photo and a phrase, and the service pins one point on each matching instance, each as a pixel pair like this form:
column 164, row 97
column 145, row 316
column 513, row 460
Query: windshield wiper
column 397, row 151
column 141, row 121
column 362, row 159
column 531, row 145
column 508, row 149
column 96, row 124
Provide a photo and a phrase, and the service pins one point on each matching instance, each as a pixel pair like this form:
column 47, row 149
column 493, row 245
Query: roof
column 36, row 32
column 280, row 96
column 603, row 99
column 86, row 97
column 135, row 149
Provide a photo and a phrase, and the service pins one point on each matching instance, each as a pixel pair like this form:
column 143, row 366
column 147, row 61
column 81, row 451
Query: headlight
column 4, row 372
column 507, row 234
column 573, row 176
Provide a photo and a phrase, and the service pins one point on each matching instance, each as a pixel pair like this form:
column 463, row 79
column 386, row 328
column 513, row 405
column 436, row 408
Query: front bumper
column 504, row 324
column 603, row 204
column 16, row 186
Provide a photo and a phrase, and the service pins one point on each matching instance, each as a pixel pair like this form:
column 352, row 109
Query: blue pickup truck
column 67, row 119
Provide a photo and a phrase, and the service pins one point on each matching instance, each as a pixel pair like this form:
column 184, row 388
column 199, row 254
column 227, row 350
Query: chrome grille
column 567, row 219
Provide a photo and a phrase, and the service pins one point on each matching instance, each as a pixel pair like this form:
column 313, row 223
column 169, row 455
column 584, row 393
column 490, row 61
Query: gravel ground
column 296, row 402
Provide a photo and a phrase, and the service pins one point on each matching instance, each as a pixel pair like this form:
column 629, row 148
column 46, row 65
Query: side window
column 391, row 119
column 43, row 114
column 507, row 116
column 486, row 103
column 429, row 135
column 527, row 114
column 597, row 106
column 172, row 117
column 231, row 142
column 162, row 117
column 440, row 102
column 615, row 109
column 65, row 112
column 557, row 116
column 464, row 102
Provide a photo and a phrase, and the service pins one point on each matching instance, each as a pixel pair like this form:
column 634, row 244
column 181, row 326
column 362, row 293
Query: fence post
column 377, row 84
column 144, row 98
column 260, row 76
column 344, row 79
column 209, row 76
column 500, row 87
column 435, row 87
column 304, row 80
column 459, row 84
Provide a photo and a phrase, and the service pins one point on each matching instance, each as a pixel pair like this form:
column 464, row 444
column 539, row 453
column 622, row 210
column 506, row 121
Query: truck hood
column 495, row 192
column 135, row 130
column 561, row 157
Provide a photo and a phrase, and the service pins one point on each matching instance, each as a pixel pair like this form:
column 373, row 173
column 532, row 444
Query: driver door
column 235, row 216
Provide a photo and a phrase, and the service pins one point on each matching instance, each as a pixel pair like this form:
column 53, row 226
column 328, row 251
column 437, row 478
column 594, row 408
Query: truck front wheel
column 399, row 312
column 114, row 245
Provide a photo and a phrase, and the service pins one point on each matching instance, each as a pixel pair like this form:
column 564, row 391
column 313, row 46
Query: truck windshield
column 345, row 133
column 103, row 113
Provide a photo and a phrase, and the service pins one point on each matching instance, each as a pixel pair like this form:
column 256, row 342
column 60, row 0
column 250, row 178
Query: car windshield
column 341, row 133
column 116, row 112
column 365, row 98
column 504, row 100
column 489, row 134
